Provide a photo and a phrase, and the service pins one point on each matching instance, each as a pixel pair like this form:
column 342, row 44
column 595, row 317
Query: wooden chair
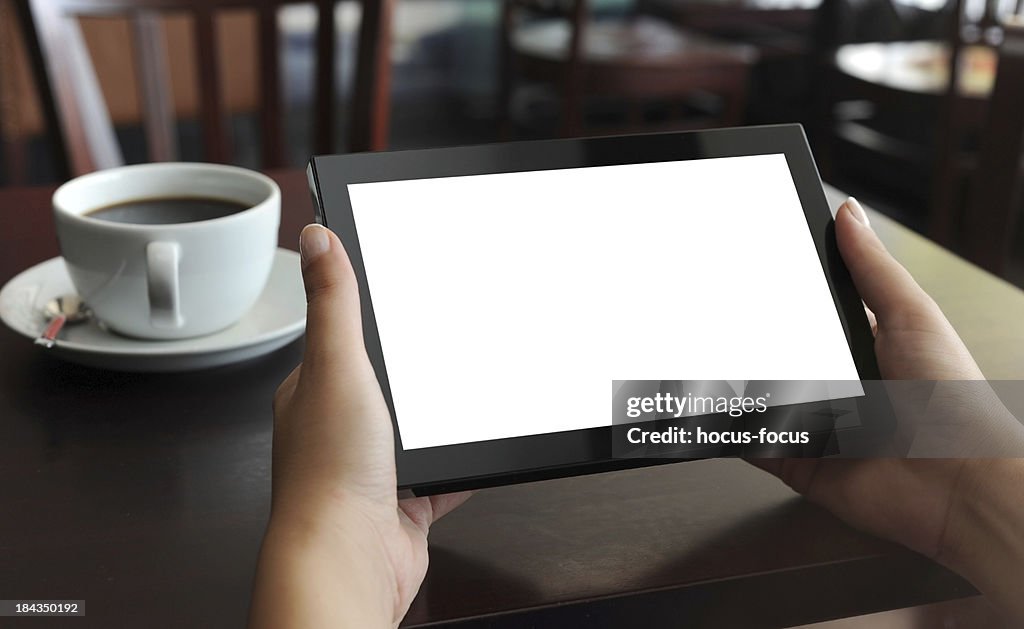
column 995, row 200
column 67, row 82
column 956, row 158
column 852, row 116
column 633, row 58
column 12, row 140
column 917, row 139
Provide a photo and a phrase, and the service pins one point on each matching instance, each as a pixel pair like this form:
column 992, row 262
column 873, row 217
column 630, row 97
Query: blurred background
column 914, row 106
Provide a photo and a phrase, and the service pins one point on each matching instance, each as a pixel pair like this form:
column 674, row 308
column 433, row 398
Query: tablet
column 533, row 308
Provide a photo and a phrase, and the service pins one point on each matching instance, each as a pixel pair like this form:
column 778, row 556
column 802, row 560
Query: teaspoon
column 61, row 311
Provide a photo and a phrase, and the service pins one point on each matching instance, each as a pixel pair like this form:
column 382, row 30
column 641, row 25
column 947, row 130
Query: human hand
column 340, row 548
column 928, row 505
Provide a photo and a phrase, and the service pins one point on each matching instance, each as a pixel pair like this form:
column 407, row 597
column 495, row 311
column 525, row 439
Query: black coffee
column 167, row 210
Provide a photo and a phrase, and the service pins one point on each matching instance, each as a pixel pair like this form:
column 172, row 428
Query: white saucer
column 278, row 317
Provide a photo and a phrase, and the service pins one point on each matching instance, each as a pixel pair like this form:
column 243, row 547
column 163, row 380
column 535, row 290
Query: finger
column 334, row 329
column 886, row 287
column 426, row 510
column 798, row 474
column 872, row 320
column 286, row 389
column 446, row 503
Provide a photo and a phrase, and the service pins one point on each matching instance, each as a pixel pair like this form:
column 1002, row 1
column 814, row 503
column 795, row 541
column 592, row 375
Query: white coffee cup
column 169, row 280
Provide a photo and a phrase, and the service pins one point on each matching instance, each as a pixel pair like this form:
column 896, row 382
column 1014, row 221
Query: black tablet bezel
column 519, row 459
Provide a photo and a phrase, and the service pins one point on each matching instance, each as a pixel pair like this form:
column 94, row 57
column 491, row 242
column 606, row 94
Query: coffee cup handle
column 162, row 280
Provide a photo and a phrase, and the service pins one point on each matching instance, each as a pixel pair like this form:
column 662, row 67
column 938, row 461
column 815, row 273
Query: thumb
column 886, row 287
column 334, row 328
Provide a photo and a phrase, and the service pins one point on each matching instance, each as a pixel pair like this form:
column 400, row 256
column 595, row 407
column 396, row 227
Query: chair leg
column 634, row 115
column 505, row 71
column 822, row 123
column 735, row 104
column 732, row 111
column 505, row 116
column 942, row 208
column 371, row 116
column 572, row 114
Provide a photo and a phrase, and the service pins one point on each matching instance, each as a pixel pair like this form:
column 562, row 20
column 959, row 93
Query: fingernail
column 858, row 211
column 314, row 241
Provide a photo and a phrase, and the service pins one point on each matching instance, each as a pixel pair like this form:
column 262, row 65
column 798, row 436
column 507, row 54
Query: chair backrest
column 68, row 82
column 995, row 200
column 839, row 22
column 17, row 114
column 957, row 22
column 576, row 12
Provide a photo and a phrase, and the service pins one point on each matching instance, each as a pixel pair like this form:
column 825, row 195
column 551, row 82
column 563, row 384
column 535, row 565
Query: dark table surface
column 146, row 495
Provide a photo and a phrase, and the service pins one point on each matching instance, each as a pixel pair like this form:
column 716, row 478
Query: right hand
column 920, row 503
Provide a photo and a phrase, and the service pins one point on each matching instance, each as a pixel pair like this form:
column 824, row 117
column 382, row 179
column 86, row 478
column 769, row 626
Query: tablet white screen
column 507, row 303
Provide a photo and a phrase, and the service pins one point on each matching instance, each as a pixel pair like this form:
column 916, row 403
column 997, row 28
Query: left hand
column 340, row 548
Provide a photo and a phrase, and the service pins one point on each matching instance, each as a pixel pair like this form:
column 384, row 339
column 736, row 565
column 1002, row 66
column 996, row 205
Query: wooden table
column 792, row 14
column 146, row 495
column 779, row 28
column 920, row 67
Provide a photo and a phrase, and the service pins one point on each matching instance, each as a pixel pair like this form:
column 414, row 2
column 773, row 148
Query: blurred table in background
column 777, row 27
column 146, row 494
column 782, row 32
column 919, row 66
